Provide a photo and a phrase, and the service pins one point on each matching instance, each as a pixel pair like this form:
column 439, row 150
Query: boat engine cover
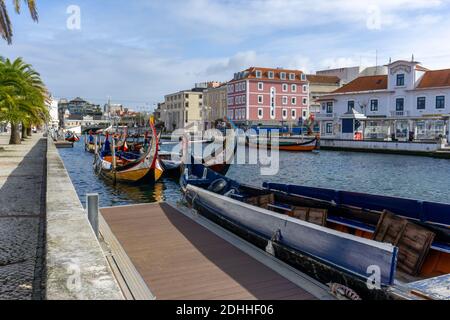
column 218, row 186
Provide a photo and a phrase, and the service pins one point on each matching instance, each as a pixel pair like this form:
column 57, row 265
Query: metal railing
column 400, row 113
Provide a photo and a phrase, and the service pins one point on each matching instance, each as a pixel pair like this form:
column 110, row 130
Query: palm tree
column 5, row 22
column 23, row 97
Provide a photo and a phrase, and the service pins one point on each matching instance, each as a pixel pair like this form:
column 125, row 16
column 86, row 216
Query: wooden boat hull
column 286, row 145
column 316, row 254
column 147, row 167
column 316, row 249
column 90, row 147
column 73, row 139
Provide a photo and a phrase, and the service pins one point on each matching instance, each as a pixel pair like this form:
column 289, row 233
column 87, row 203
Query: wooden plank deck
column 180, row 259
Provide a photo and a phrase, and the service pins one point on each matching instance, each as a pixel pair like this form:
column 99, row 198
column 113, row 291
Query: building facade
column 215, row 105
column 183, row 109
column 264, row 96
column 318, row 86
column 409, row 103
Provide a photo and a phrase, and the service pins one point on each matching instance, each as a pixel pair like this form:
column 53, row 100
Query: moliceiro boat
column 286, row 144
column 363, row 246
column 129, row 167
column 219, row 160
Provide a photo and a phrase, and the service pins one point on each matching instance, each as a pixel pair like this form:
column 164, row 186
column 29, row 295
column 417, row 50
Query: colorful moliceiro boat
column 129, row 167
column 371, row 246
column 286, row 144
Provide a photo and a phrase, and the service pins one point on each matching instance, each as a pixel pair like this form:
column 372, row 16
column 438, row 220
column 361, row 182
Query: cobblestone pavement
column 21, row 217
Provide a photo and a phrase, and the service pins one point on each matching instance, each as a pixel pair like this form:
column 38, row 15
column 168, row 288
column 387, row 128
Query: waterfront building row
column 408, row 103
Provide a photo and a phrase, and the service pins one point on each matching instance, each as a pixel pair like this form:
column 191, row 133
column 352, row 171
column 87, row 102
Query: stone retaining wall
column 77, row 268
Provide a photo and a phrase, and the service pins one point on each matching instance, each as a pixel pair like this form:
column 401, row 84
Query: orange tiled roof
column 366, row 83
column 314, row 78
column 251, row 74
column 435, row 78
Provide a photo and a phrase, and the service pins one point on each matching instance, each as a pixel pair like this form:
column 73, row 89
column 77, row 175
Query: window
column 329, row 107
column 244, row 85
column 399, row 104
column 284, row 87
column 294, row 88
column 260, row 113
column 350, row 105
column 304, row 114
column 284, row 113
column 283, row 75
column 303, row 77
column 270, row 74
column 440, row 102
column 186, row 104
column 186, row 96
column 258, row 74
column 294, row 101
column 291, row 76
column 294, row 114
column 260, row 86
column 374, row 105
column 329, row 128
column 260, row 99
column 285, row 100
column 186, row 119
column 421, row 103
column 305, row 89
column 305, row 101
column 400, row 80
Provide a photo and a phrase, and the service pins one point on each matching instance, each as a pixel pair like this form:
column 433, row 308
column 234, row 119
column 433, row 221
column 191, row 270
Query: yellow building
column 186, row 109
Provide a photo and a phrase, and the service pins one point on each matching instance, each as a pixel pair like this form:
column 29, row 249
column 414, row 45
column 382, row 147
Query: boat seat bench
column 287, row 209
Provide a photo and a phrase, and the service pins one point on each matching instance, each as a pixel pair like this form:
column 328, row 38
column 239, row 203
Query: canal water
column 394, row 175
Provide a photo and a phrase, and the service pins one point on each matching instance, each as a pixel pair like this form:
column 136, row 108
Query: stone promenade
column 22, row 218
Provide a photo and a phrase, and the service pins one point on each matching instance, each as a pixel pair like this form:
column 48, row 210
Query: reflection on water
column 396, row 175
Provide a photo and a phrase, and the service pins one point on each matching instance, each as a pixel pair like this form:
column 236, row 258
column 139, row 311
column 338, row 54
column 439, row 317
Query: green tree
column 23, row 97
column 5, row 22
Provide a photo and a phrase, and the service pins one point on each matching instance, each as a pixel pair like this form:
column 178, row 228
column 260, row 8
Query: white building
column 409, row 103
column 53, row 110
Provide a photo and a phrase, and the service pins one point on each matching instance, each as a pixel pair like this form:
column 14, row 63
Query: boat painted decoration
column 121, row 166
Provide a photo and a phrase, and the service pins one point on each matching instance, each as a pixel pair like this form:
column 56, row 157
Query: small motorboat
column 374, row 247
column 72, row 137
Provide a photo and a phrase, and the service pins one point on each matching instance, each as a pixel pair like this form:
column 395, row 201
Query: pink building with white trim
column 267, row 96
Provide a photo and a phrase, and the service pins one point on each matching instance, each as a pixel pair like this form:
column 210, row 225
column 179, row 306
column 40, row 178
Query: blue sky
column 136, row 51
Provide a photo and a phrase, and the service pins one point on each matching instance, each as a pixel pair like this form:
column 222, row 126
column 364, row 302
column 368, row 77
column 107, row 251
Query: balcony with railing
column 325, row 115
column 400, row 113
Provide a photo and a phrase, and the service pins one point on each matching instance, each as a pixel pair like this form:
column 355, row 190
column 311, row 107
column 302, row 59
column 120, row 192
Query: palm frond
column 5, row 23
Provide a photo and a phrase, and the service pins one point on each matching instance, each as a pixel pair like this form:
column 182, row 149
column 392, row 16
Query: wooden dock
column 160, row 251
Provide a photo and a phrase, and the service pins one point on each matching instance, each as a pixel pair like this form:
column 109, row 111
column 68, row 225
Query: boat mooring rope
column 342, row 292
